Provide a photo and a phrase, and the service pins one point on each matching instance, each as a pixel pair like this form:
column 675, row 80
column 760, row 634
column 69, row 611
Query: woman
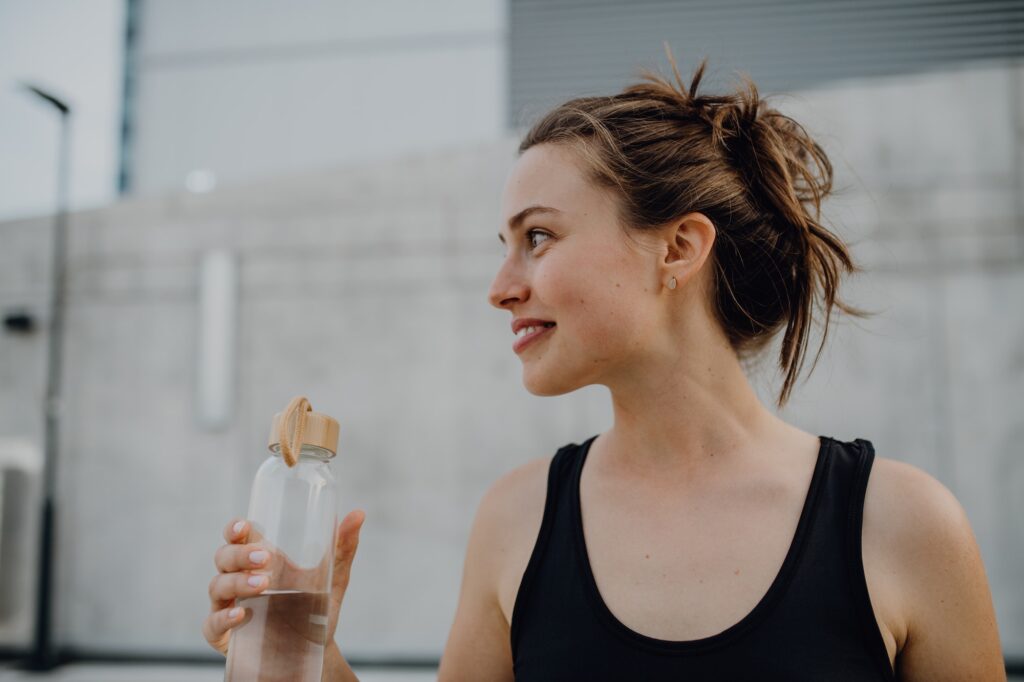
column 656, row 241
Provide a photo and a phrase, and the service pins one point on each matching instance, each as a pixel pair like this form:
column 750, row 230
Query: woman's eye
column 531, row 233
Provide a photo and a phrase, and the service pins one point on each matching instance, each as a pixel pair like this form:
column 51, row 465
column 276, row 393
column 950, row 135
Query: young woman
column 656, row 240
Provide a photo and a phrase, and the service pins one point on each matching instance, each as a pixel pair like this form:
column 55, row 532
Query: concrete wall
column 365, row 289
column 932, row 196
column 246, row 89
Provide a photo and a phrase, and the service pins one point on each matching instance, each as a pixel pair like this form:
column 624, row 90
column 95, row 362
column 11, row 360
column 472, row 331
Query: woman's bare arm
column 951, row 630
column 478, row 644
column 506, row 524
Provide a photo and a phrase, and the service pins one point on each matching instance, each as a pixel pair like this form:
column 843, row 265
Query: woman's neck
column 688, row 418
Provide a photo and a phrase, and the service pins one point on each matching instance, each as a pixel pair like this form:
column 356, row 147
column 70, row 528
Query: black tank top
column 815, row 622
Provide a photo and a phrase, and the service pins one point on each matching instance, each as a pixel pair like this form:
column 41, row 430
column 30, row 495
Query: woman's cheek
column 622, row 319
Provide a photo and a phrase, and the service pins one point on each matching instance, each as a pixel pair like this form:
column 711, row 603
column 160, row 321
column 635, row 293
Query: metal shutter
column 564, row 48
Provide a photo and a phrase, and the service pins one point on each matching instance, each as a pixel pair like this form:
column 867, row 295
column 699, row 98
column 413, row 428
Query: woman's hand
column 238, row 561
column 344, row 552
column 234, row 561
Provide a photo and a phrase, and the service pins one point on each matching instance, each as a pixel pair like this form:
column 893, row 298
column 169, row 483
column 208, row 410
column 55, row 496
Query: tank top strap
column 862, row 457
column 832, row 578
column 559, row 475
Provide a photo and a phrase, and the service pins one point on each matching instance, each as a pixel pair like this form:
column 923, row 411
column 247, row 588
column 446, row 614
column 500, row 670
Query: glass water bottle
column 293, row 516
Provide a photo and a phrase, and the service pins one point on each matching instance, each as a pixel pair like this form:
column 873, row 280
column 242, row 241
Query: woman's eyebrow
column 516, row 221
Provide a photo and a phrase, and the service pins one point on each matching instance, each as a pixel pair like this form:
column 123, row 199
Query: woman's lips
column 523, row 342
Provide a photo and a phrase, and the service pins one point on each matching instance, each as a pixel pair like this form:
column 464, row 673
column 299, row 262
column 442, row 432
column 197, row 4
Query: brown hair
column 754, row 172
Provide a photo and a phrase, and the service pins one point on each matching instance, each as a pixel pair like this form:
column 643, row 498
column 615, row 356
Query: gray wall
column 365, row 289
column 249, row 89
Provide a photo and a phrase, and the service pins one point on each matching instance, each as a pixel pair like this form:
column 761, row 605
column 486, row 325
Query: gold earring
column 672, row 283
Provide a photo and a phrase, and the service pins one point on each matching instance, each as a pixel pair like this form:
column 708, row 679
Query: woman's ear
column 688, row 244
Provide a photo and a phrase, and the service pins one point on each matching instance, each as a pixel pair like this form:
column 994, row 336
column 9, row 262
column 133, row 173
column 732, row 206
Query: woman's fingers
column 234, row 581
column 231, row 558
column 240, row 531
column 218, row 625
column 347, row 544
column 226, row 587
column 236, row 530
column 348, row 534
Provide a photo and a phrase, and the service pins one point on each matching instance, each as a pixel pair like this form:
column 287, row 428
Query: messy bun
column 753, row 171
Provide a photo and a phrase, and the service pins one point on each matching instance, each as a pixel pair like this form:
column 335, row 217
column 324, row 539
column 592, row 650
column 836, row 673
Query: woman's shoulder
column 511, row 512
column 917, row 544
column 907, row 507
column 514, row 504
column 517, row 487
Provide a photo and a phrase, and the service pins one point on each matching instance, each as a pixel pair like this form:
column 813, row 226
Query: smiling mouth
column 537, row 326
column 526, row 339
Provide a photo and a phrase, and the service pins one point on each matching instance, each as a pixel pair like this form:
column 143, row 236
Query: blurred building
column 348, row 160
column 235, row 90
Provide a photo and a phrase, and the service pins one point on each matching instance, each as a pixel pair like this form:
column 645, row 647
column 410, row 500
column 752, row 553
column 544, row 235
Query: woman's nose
column 508, row 286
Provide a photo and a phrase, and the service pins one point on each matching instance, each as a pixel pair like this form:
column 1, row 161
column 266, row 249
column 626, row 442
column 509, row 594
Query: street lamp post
column 43, row 655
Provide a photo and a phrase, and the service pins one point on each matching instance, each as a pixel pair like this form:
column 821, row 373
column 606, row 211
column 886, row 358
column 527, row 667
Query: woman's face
column 573, row 266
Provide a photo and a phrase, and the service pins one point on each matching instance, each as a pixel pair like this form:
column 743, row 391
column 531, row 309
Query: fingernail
column 258, row 557
column 238, row 527
column 234, row 613
column 256, row 580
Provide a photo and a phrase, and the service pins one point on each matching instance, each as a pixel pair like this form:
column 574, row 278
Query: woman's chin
column 546, row 384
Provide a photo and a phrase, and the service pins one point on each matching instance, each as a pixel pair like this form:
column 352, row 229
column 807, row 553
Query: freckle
column 647, row 556
column 617, row 284
column 701, row 581
column 736, row 572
